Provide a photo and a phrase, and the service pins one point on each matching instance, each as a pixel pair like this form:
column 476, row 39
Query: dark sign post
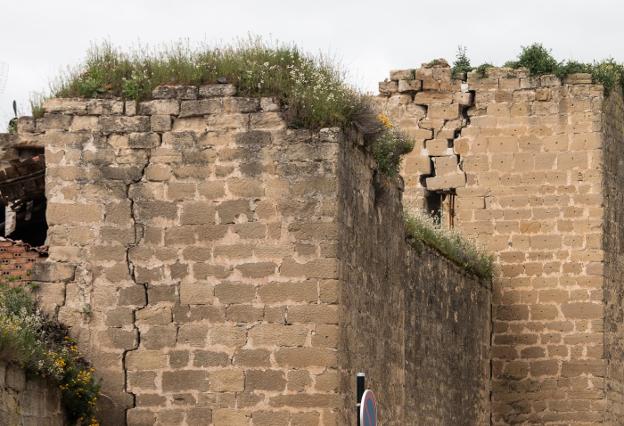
column 360, row 381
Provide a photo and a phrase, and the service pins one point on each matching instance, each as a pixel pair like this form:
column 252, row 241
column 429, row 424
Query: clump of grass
column 312, row 88
column 42, row 347
column 422, row 230
column 461, row 65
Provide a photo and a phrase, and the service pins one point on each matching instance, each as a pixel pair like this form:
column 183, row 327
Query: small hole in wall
column 433, row 205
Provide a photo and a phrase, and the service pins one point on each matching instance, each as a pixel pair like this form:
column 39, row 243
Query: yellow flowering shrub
column 42, row 347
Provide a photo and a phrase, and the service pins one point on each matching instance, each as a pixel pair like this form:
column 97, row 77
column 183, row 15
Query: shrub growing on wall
column 42, row 347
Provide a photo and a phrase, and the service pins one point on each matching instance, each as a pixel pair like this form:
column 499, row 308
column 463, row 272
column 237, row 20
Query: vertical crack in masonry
column 446, row 162
column 138, row 236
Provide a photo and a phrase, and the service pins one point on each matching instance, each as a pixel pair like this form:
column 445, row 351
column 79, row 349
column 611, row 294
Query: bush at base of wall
column 42, row 347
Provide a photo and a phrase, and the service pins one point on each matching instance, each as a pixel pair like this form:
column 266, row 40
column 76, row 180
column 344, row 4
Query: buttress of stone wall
column 613, row 134
column 532, row 155
column 193, row 251
column 430, row 106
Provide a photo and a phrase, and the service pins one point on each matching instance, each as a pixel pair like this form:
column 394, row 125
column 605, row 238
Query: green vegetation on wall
column 539, row 60
column 42, row 347
column 422, row 231
column 312, row 89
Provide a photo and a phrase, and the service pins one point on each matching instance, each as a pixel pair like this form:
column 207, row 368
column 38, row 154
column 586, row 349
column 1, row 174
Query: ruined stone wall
column 28, row 400
column 194, row 247
column 613, row 240
column 193, row 254
column 531, row 152
column 414, row 323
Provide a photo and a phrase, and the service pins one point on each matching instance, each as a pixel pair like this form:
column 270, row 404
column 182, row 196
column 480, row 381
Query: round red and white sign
column 368, row 409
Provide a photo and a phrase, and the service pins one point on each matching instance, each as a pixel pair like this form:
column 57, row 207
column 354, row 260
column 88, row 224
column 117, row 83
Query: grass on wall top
column 313, row 89
column 422, row 230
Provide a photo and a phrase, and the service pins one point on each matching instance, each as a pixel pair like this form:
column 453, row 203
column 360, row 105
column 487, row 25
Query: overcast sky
column 39, row 38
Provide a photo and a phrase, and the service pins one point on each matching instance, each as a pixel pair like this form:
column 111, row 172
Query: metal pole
column 360, row 381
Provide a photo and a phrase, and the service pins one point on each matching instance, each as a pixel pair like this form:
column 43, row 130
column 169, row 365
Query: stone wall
column 530, row 149
column 193, row 255
column 613, row 240
column 28, row 401
column 196, row 246
column 416, row 324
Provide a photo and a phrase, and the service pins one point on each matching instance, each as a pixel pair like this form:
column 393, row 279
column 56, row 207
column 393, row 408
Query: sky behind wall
column 40, row 38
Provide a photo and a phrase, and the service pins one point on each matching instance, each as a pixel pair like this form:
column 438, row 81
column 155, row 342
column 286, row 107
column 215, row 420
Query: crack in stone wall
column 138, row 236
column 432, row 108
column 533, row 196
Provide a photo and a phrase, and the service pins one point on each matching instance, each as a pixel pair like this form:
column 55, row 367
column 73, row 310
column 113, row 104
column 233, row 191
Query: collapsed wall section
column 416, row 324
column 200, row 235
column 613, row 241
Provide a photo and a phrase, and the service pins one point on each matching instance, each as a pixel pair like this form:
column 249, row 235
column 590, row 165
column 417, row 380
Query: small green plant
column 537, row 59
column 461, row 64
column 42, row 347
column 422, row 230
column 12, row 127
column 482, row 70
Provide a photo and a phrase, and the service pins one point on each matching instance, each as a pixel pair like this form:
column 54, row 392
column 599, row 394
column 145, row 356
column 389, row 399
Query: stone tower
column 531, row 167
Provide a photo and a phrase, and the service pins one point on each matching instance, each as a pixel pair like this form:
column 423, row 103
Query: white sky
column 39, row 38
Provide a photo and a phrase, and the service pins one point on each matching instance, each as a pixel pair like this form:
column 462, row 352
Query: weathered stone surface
column 28, row 400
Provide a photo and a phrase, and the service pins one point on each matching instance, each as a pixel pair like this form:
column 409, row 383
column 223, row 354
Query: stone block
column 407, row 74
column 159, row 336
column 228, row 292
column 217, row 90
column 446, row 165
column 449, row 181
column 230, row 417
column 159, row 107
column 269, row 380
column 175, row 92
column 184, row 380
column 210, row 359
column 58, row 213
column 227, row 380
column 121, row 124
column 241, row 105
column 438, row 147
column 196, row 293
column 160, row 123
column 409, row 86
column 201, row 107
column 53, row 272
column 278, row 335
column 146, row 360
